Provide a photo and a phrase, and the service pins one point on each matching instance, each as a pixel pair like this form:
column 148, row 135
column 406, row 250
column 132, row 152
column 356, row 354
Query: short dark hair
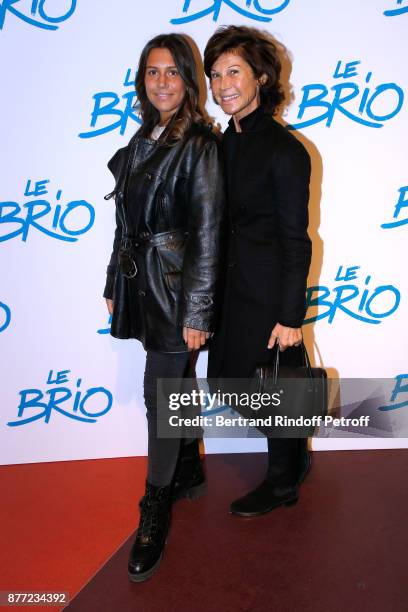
column 258, row 50
column 190, row 111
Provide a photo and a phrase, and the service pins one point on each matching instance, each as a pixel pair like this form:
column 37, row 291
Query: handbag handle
column 276, row 362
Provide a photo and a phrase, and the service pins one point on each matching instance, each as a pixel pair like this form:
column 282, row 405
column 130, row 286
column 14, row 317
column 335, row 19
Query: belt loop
column 110, row 195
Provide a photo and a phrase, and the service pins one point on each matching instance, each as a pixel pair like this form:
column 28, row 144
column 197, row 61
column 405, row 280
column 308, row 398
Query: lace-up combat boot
column 148, row 547
column 189, row 479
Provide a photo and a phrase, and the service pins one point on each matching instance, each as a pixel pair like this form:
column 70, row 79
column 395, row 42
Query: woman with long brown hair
column 162, row 275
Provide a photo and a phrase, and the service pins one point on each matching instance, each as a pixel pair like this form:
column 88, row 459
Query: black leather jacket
column 163, row 273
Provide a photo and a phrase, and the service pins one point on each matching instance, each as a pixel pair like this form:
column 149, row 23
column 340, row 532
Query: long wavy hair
column 259, row 51
column 190, row 111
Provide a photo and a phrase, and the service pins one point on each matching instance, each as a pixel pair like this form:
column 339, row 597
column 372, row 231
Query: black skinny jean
column 283, row 454
column 162, row 452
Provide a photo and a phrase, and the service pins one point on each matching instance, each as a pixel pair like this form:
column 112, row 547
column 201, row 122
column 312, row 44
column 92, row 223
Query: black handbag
column 302, row 391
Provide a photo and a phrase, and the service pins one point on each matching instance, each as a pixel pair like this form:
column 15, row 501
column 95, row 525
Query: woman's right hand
column 109, row 304
column 285, row 336
column 194, row 338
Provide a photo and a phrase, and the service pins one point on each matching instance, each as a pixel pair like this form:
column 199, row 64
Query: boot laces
column 151, row 509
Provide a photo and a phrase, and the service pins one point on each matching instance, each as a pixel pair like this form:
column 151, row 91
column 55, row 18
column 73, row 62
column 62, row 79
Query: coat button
column 141, row 293
column 232, row 231
column 149, row 176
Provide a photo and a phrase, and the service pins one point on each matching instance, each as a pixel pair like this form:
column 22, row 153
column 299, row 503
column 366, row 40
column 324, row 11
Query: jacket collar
column 251, row 121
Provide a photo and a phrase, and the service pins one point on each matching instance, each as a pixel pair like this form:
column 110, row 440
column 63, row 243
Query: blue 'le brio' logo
column 105, row 330
column 363, row 303
column 87, row 407
column 36, row 12
column 401, row 203
column 359, row 102
column 61, row 222
column 5, row 316
column 398, row 10
column 400, row 387
column 107, row 110
column 258, row 10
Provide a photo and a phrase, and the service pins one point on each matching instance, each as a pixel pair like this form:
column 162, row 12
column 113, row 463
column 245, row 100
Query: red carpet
column 342, row 547
column 61, row 521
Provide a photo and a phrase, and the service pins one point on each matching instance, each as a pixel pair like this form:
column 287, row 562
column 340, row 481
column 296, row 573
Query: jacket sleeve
column 117, row 166
column 291, row 180
column 202, row 260
column 113, row 262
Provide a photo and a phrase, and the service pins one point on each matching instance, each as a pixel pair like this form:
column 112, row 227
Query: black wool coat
column 267, row 175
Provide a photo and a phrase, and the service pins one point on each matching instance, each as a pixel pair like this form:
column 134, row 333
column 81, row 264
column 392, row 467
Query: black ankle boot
column 280, row 486
column 263, row 499
column 304, row 461
column 189, row 479
column 148, row 547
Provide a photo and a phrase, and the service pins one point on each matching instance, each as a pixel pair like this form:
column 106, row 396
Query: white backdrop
column 68, row 389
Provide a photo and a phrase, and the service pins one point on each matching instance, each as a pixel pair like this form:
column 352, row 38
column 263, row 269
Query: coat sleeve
column 116, row 165
column 113, row 262
column 206, row 223
column 291, row 179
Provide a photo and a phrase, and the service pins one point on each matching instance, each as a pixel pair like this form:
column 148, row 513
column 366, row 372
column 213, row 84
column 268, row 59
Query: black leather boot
column 280, row 485
column 304, row 461
column 263, row 499
column 148, row 547
column 189, row 478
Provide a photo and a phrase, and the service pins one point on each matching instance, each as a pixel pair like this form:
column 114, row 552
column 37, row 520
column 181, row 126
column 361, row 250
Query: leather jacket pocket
column 171, row 257
column 173, row 280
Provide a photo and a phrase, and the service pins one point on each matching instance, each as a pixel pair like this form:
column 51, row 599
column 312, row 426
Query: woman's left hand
column 286, row 336
column 194, row 338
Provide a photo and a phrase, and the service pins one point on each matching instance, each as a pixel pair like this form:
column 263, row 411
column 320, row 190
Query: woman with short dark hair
column 260, row 53
column 267, row 173
column 162, row 275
